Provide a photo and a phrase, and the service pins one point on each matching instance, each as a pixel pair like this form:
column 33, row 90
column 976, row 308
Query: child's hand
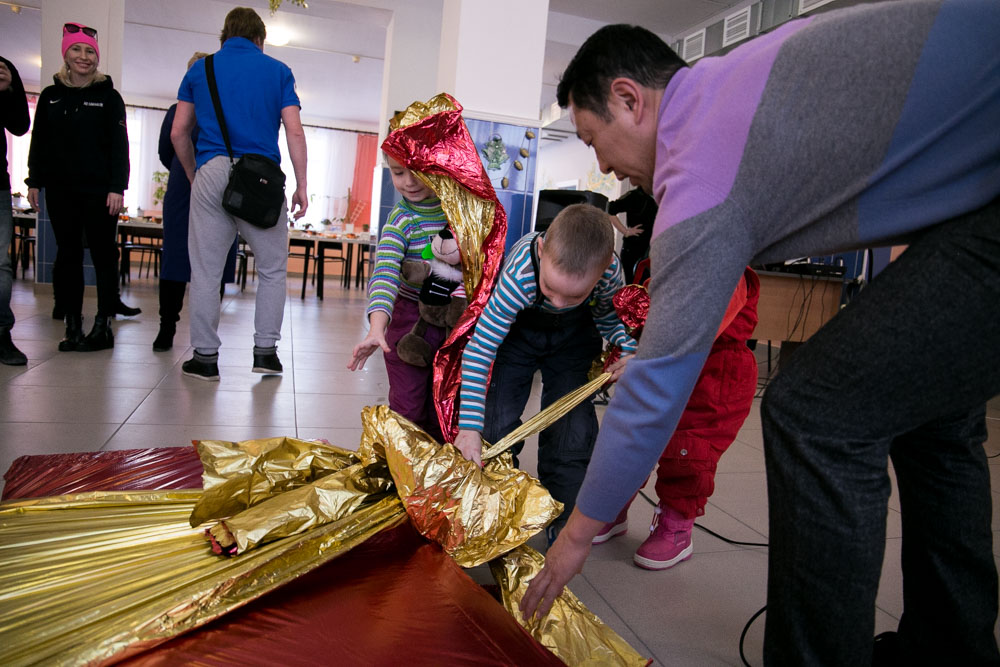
column 364, row 349
column 470, row 443
column 616, row 369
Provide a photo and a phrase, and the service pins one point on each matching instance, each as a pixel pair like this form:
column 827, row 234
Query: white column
column 492, row 55
column 105, row 16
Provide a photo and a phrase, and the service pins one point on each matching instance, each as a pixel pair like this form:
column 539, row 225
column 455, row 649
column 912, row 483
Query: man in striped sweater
column 869, row 126
column 548, row 312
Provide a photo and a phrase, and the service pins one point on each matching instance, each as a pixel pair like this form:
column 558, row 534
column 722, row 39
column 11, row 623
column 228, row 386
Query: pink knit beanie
column 80, row 36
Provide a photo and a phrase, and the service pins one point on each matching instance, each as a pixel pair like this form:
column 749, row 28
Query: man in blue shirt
column 257, row 94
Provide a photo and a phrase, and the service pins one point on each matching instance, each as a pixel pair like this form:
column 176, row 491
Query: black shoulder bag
column 256, row 188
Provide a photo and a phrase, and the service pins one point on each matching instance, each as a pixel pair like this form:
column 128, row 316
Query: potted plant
column 160, row 180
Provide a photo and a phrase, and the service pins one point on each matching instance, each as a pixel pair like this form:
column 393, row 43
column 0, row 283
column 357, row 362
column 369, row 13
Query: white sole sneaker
column 649, row 564
column 619, row 529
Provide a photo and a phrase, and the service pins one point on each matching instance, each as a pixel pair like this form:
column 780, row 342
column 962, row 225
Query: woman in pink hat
column 79, row 154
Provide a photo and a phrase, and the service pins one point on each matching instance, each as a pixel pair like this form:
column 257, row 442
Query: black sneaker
column 267, row 363
column 126, row 311
column 203, row 370
column 164, row 340
column 9, row 354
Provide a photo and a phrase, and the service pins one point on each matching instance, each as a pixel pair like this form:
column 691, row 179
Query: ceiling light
column 356, row 59
column 278, row 36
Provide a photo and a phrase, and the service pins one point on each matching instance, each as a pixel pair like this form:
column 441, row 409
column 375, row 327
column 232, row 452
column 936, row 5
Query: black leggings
column 81, row 219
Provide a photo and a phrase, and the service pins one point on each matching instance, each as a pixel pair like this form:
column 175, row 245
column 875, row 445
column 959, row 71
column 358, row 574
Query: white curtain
column 329, row 173
column 143, row 143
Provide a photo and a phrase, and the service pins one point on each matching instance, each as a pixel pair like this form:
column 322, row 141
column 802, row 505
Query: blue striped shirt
column 408, row 230
column 515, row 291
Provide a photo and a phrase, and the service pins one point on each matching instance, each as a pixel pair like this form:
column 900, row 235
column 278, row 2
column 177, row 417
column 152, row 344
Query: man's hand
column 470, row 443
column 563, row 561
column 301, row 200
column 33, row 197
column 616, row 369
column 634, row 231
column 115, row 201
column 5, row 77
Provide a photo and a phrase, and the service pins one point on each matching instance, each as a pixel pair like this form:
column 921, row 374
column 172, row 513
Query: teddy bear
column 442, row 296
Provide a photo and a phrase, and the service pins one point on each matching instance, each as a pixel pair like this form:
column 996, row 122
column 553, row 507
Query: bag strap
column 217, row 103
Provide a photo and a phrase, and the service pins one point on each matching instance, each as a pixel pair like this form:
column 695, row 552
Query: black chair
column 22, row 250
column 306, row 246
column 244, row 255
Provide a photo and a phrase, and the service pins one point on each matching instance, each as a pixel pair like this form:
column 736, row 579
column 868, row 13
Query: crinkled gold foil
column 239, row 475
column 469, row 217
column 570, row 630
column 100, row 576
column 546, row 417
column 327, row 499
column 475, row 513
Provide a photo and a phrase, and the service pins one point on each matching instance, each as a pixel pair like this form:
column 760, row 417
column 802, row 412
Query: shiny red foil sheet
column 121, row 470
column 441, row 144
column 394, row 599
column 632, row 305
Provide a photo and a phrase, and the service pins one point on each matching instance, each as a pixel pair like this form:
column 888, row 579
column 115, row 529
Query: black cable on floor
column 712, row 532
column 746, row 628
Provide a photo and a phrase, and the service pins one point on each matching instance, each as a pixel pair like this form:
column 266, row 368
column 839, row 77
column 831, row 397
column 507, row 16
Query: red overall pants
column 720, row 402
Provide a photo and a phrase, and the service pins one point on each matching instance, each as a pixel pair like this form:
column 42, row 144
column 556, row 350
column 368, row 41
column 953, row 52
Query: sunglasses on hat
column 72, row 27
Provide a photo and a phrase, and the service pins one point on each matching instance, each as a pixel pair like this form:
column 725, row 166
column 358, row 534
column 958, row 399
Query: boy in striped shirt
column 548, row 312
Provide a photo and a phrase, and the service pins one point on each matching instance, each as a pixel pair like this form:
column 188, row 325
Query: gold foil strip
column 570, row 630
column 471, row 220
column 239, row 475
column 115, row 576
column 327, row 499
column 475, row 513
column 546, row 417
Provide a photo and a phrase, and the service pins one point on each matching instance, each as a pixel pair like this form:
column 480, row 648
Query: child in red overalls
column 720, row 402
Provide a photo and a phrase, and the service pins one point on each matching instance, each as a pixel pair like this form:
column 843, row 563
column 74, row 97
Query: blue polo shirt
column 253, row 89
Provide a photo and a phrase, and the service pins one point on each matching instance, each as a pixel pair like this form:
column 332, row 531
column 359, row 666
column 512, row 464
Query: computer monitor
column 550, row 202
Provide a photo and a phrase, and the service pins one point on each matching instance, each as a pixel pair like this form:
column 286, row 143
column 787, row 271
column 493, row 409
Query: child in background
column 392, row 301
column 553, row 297
column 719, row 404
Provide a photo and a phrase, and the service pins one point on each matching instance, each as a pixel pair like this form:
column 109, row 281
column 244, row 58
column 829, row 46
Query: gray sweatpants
column 210, row 234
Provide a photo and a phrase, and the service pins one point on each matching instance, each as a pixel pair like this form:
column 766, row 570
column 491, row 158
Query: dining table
column 321, row 242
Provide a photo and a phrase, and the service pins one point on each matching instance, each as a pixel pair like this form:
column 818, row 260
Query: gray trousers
column 902, row 373
column 210, row 235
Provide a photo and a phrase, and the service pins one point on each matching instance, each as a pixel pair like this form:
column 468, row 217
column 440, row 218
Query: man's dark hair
column 243, row 22
column 615, row 51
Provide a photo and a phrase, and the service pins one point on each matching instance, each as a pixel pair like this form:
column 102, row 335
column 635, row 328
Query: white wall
column 571, row 159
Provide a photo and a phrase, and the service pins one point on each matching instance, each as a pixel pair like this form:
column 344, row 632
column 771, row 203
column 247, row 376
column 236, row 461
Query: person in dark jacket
column 640, row 212
column 79, row 154
column 175, row 264
column 14, row 119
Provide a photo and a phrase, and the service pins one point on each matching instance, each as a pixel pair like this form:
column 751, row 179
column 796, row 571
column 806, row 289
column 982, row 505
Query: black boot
column 9, row 354
column 100, row 337
column 74, row 333
column 171, row 301
column 125, row 310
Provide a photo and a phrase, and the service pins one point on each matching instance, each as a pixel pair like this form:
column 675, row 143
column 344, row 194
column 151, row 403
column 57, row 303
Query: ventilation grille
column 736, row 27
column 809, row 5
column 694, row 46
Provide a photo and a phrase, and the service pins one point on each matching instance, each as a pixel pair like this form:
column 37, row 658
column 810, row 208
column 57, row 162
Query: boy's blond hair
column 580, row 240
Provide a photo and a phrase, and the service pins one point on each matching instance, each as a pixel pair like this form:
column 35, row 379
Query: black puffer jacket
column 79, row 141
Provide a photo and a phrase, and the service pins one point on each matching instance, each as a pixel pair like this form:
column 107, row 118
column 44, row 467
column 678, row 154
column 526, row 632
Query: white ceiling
column 160, row 36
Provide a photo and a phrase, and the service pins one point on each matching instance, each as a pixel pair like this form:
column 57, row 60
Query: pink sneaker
column 617, row 527
column 669, row 541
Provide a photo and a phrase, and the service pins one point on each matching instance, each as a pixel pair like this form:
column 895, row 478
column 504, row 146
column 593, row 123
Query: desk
column 793, row 307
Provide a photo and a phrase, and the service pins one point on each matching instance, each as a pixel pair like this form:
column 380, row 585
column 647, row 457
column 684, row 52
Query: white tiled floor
column 130, row 397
